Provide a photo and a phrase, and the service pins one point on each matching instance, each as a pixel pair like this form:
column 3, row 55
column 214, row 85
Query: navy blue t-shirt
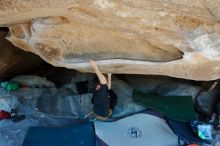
column 101, row 101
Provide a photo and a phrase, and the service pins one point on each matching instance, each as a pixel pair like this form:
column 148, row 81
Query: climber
column 104, row 98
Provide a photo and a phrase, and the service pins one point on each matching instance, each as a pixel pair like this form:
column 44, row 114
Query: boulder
column 178, row 38
column 14, row 61
column 33, row 81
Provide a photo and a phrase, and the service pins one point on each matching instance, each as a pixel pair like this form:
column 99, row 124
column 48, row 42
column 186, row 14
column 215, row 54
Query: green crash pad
column 180, row 108
column 10, row 86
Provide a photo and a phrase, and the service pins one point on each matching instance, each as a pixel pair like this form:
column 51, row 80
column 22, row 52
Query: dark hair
column 96, row 80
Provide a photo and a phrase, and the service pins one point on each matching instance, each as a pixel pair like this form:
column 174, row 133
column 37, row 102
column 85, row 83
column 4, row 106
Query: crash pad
column 180, row 108
column 82, row 134
column 136, row 130
column 10, row 86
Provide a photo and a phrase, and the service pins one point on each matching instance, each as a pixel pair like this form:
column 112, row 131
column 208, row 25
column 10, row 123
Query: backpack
column 82, row 88
column 4, row 115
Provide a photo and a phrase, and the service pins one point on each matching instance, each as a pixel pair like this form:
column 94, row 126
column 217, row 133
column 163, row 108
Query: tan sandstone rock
column 178, row 38
column 14, row 61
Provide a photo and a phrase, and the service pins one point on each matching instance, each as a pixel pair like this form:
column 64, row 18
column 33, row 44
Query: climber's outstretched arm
column 109, row 80
column 101, row 77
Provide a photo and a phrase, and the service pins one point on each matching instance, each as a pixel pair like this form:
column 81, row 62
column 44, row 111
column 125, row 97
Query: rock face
column 14, row 61
column 178, row 38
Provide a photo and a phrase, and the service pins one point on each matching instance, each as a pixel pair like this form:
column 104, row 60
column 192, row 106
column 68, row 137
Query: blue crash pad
column 82, row 134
